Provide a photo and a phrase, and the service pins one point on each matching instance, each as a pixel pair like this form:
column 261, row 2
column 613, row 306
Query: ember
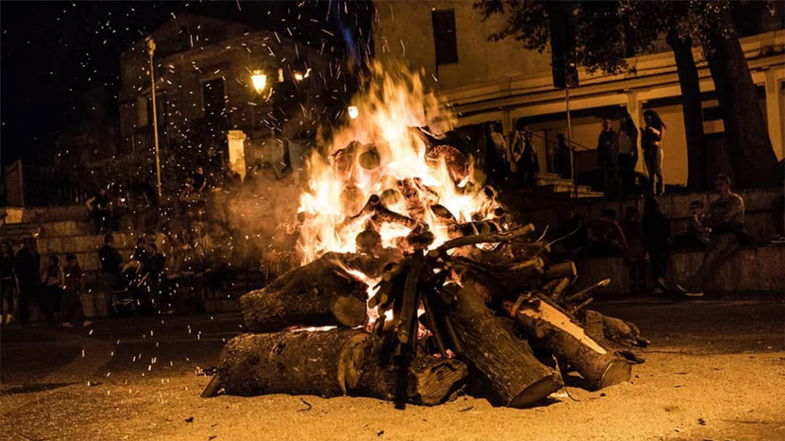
column 414, row 283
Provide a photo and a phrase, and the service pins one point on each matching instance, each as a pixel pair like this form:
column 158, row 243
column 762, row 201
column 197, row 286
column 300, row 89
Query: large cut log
column 517, row 378
column 320, row 293
column 325, row 363
column 429, row 380
column 550, row 326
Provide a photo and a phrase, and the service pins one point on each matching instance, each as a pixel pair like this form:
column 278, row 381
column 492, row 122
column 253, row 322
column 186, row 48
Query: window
column 213, row 98
column 444, row 38
column 141, row 111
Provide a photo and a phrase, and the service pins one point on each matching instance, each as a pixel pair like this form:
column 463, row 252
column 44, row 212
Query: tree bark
column 692, row 111
column 517, row 378
column 430, row 380
column 754, row 161
column 325, row 363
column 553, row 328
column 320, row 293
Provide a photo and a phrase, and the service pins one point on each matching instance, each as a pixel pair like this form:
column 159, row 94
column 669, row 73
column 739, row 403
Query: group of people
column 617, row 152
column 648, row 239
column 57, row 290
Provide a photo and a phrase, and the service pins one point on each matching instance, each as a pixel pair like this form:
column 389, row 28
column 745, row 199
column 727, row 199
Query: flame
column 381, row 152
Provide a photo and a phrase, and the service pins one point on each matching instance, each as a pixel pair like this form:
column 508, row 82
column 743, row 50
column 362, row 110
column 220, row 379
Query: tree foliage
column 608, row 32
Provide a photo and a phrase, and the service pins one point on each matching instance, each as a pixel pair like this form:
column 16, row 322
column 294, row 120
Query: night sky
column 52, row 52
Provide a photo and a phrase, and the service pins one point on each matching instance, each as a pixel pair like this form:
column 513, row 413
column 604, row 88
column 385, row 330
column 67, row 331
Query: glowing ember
column 382, row 153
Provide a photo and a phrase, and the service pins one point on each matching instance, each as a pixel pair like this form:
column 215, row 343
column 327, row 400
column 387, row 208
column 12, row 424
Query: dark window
column 444, row 38
column 213, row 95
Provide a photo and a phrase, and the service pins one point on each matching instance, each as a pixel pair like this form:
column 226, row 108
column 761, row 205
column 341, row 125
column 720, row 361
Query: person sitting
column 726, row 220
column 697, row 234
column 606, row 236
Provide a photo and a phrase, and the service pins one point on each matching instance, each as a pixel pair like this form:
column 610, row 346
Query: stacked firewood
column 487, row 312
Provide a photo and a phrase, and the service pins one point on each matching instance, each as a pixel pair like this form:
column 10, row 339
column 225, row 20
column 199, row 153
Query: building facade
column 213, row 77
column 503, row 82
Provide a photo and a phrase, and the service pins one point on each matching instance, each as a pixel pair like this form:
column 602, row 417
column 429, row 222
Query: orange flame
column 381, row 152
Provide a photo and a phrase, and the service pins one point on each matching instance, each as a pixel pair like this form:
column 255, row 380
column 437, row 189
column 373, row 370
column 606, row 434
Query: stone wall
column 676, row 207
column 760, row 270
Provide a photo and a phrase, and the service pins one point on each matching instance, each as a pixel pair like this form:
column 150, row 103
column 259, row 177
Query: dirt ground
column 715, row 371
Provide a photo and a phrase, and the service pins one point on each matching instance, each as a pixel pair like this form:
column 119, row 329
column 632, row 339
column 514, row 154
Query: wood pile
column 486, row 312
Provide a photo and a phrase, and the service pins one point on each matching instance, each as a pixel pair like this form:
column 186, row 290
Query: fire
column 382, row 153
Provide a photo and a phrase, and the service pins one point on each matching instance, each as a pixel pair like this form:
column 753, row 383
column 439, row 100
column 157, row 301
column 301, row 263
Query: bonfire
column 415, row 284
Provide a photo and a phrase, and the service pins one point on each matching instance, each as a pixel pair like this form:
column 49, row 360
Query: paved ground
column 715, row 370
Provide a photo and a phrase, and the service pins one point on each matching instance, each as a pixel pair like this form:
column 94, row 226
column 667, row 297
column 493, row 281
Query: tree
column 746, row 133
column 606, row 32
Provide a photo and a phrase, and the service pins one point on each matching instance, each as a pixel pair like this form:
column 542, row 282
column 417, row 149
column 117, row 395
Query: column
column 634, row 107
column 236, row 141
column 773, row 112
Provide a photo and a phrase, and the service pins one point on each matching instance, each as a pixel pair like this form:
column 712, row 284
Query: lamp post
column 151, row 51
column 259, row 80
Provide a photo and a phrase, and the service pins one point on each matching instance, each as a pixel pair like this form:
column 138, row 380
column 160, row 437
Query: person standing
column 111, row 261
column 73, row 286
column 53, row 279
column 7, row 283
column 607, row 147
column 525, row 158
column 651, row 141
column 26, row 266
column 100, row 206
column 199, row 180
column 658, row 241
column 635, row 253
column 627, row 156
column 726, row 220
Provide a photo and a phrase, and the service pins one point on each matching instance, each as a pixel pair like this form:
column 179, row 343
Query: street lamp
column 259, row 80
column 353, row 111
column 151, row 52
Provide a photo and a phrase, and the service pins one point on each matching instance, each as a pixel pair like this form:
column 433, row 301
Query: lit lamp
column 353, row 111
column 259, row 80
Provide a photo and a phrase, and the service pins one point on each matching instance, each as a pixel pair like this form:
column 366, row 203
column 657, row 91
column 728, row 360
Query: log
column 564, row 269
column 483, row 238
column 553, row 328
column 516, row 377
column 318, row 294
column 324, row 363
column 430, row 380
column 613, row 330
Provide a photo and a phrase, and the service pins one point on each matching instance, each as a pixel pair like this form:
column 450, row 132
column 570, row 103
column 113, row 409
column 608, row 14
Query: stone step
column 566, row 188
column 81, row 244
column 18, row 231
column 88, row 261
column 67, row 228
column 55, row 214
column 551, row 178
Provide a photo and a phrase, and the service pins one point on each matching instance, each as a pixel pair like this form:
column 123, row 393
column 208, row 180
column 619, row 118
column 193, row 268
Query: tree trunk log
column 517, row 378
column 325, row 363
column 430, row 381
column 754, row 161
column 318, row 294
column 697, row 179
column 553, row 328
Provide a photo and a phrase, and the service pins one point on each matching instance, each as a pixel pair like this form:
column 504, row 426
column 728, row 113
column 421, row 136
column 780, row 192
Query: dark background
column 52, row 52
